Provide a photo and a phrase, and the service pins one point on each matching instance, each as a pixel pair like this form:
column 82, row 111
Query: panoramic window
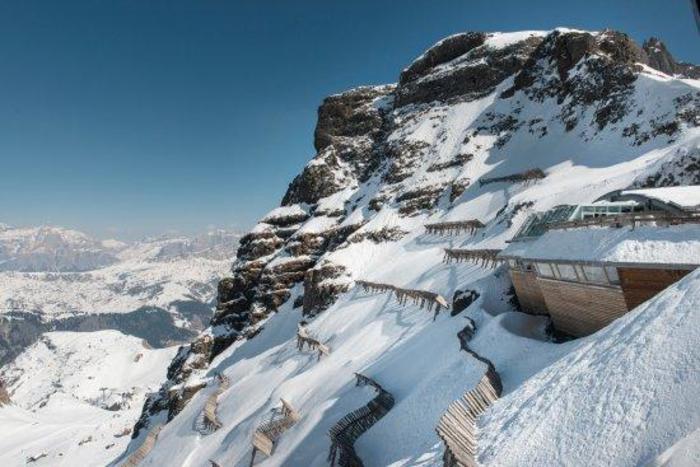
column 567, row 272
column 595, row 274
column 544, row 269
column 612, row 274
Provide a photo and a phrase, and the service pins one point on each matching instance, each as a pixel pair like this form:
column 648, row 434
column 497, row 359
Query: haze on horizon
column 132, row 119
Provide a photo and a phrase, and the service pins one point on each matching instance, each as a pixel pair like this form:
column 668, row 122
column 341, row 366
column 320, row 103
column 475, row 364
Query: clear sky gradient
column 131, row 117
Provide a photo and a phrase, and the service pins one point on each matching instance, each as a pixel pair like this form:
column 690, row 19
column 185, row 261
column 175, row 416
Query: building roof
column 676, row 199
column 684, row 197
column 677, row 245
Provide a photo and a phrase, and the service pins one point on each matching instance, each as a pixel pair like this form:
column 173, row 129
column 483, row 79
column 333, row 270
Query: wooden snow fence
column 146, row 447
column 454, row 228
column 527, row 177
column 457, row 426
column 208, row 422
column 305, row 339
column 422, row 298
column 484, row 257
column 266, row 435
column 349, row 428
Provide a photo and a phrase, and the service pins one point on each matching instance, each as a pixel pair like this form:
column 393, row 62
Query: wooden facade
column 528, row 291
column 640, row 284
column 580, row 302
column 581, row 309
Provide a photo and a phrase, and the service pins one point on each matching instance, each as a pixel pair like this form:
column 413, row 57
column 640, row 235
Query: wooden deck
column 349, row 428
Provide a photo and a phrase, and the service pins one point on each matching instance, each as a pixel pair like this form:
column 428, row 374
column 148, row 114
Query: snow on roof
column 678, row 245
column 621, row 397
column 682, row 196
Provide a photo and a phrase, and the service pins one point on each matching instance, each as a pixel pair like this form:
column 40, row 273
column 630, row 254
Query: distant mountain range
column 57, row 249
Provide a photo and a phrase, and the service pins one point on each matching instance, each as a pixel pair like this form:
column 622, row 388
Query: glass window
column 595, row 274
column 513, row 264
column 612, row 274
column 567, row 272
column 544, row 269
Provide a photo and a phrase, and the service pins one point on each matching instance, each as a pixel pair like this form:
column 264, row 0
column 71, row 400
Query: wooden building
column 586, row 275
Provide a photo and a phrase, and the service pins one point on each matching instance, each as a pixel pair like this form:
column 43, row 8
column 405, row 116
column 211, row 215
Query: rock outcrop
column 660, row 58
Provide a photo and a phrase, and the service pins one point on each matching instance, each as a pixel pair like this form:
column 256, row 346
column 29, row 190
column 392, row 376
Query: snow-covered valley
column 77, row 335
column 75, row 397
column 160, row 289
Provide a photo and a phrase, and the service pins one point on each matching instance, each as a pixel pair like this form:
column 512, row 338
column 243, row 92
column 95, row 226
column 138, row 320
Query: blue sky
column 132, row 117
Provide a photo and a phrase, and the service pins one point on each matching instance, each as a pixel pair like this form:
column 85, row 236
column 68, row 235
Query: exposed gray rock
column 660, row 58
column 476, row 71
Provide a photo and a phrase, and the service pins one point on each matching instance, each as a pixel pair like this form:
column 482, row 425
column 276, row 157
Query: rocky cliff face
column 389, row 156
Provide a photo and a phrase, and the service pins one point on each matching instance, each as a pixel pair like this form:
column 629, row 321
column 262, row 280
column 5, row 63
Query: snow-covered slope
column 587, row 109
column 620, row 397
column 75, row 397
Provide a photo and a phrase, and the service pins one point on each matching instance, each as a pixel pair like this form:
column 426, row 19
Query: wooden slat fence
column 266, row 435
column 454, row 228
column 305, row 339
column 349, row 428
column 146, row 447
column 208, row 422
column 526, row 176
column 422, row 298
column 457, row 426
column 484, row 257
